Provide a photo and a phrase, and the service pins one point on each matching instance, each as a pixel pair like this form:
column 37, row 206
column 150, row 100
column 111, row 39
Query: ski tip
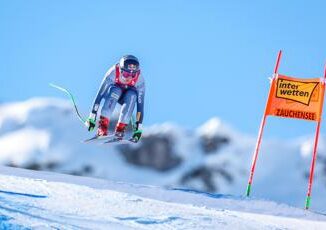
column 98, row 138
column 92, row 139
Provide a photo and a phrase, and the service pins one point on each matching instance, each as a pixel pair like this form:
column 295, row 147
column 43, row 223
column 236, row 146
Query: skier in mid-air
column 124, row 84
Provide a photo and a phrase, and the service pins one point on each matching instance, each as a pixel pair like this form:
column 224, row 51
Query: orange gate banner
column 295, row 98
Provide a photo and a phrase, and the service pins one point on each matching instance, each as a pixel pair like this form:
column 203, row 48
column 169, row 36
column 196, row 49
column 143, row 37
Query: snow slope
column 44, row 134
column 40, row 200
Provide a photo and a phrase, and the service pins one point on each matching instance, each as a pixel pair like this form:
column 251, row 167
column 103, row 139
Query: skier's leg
column 111, row 99
column 127, row 108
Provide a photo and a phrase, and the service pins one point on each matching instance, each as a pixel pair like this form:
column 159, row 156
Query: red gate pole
column 314, row 157
column 261, row 130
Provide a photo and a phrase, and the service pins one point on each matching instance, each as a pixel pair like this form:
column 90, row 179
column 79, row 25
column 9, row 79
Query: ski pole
column 71, row 99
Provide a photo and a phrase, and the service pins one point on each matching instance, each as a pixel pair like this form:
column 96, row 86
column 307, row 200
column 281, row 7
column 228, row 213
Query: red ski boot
column 120, row 130
column 103, row 126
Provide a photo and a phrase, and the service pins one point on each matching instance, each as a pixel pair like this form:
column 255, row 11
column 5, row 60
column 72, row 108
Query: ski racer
column 124, row 84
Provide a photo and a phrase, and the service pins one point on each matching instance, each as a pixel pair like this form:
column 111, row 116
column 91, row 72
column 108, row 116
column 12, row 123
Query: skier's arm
column 99, row 96
column 140, row 103
column 140, row 111
column 107, row 80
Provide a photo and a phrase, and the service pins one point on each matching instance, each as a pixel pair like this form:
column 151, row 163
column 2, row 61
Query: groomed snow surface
column 39, row 200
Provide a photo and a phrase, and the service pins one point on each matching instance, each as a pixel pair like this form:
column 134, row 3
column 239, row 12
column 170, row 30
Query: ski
column 98, row 138
column 120, row 141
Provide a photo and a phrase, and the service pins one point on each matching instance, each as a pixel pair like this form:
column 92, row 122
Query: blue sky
column 200, row 58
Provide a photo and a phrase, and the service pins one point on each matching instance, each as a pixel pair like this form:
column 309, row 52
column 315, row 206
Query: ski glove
column 90, row 122
column 137, row 133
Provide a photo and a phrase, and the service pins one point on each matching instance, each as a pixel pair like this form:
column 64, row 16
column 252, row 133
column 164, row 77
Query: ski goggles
column 127, row 73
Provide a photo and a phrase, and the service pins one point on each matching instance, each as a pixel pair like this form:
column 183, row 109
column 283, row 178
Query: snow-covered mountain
column 44, row 134
column 40, row 200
